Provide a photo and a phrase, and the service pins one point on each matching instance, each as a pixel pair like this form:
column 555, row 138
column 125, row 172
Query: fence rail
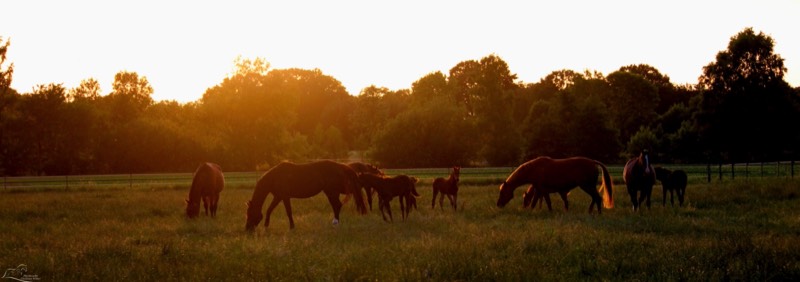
column 698, row 173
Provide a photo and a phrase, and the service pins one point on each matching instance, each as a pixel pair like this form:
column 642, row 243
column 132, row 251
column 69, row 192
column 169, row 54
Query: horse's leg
column 369, row 191
column 452, row 201
column 433, row 201
column 634, row 202
column 646, row 193
column 214, row 205
column 382, row 206
column 402, row 207
column 271, row 207
column 333, row 198
column 681, row 193
column 288, row 205
column 206, row 201
column 546, row 198
column 389, row 208
column 441, row 200
column 564, row 198
column 664, row 199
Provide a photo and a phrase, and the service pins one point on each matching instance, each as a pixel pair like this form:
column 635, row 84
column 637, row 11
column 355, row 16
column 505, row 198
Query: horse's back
column 208, row 179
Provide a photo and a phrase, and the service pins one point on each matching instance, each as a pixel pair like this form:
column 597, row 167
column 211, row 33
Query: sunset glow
column 184, row 47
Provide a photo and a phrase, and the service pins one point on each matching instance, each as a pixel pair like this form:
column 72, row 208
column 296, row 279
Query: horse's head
column 506, row 193
column 192, row 208
column 456, row 172
column 253, row 216
column 644, row 159
column 526, row 198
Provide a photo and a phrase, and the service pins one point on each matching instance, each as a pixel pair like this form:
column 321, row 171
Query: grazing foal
column 448, row 187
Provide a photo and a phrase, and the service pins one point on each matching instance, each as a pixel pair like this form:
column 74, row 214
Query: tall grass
column 736, row 230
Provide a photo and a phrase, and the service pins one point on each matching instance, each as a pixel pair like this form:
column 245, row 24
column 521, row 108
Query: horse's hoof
column 335, row 222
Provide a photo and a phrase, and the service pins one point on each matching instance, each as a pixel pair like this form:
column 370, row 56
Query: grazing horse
column 288, row 180
column 548, row 175
column 639, row 177
column 401, row 186
column 447, row 187
column 530, row 198
column 360, row 168
column 672, row 181
column 207, row 183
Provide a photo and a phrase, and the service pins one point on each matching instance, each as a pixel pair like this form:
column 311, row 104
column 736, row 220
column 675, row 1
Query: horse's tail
column 608, row 187
column 355, row 188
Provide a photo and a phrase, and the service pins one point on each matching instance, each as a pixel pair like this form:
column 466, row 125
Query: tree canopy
column 476, row 114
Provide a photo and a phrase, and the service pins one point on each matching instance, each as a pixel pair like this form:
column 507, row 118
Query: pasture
column 743, row 229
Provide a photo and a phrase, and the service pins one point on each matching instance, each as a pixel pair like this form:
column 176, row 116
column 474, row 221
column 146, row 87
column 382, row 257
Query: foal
column 447, row 187
column 401, row 186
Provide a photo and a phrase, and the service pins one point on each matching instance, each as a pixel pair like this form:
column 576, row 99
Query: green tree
column 431, row 135
column 633, row 101
column 485, row 88
column 748, row 111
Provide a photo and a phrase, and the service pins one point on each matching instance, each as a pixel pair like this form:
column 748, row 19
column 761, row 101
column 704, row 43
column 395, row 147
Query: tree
column 89, row 89
column 485, row 90
column 748, row 111
column 431, row 135
column 130, row 96
column 8, row 98
column 633, row 101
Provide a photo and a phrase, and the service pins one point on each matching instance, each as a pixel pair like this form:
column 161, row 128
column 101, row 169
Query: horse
column 447, row 187
column 548, row 175
column 207, row 183
column 639, row 177
column 401, row 186
column 672, row 181
column 360, row 167
column 288, row 180
column 530, row 198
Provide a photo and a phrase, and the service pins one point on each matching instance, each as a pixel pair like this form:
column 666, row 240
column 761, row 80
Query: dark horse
column 288, row 180
column 548, row 175
column 207, row 183
column 360, row 168
column 639, row 177
column 672, row 181
column 530, row 198
column 448, row 187
column 401, row 186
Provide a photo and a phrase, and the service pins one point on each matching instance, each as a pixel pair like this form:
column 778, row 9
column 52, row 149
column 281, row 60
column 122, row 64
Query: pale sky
column 185, row 47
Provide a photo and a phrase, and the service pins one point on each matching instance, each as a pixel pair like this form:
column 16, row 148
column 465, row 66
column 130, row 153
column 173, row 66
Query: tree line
column 478, row 113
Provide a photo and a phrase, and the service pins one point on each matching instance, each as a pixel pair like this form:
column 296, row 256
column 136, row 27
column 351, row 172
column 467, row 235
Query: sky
column 185, row 47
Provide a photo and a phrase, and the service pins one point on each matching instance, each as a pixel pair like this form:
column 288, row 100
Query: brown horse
column 401, row 186
column 360, row 168
column 548, row 175
column 447, row 187
column 672, row 181
column 288, row 180
column 207, row 183
column 530, row 198
column 639, row 177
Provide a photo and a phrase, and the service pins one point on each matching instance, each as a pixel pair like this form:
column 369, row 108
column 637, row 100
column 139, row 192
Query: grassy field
column 730, row 230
